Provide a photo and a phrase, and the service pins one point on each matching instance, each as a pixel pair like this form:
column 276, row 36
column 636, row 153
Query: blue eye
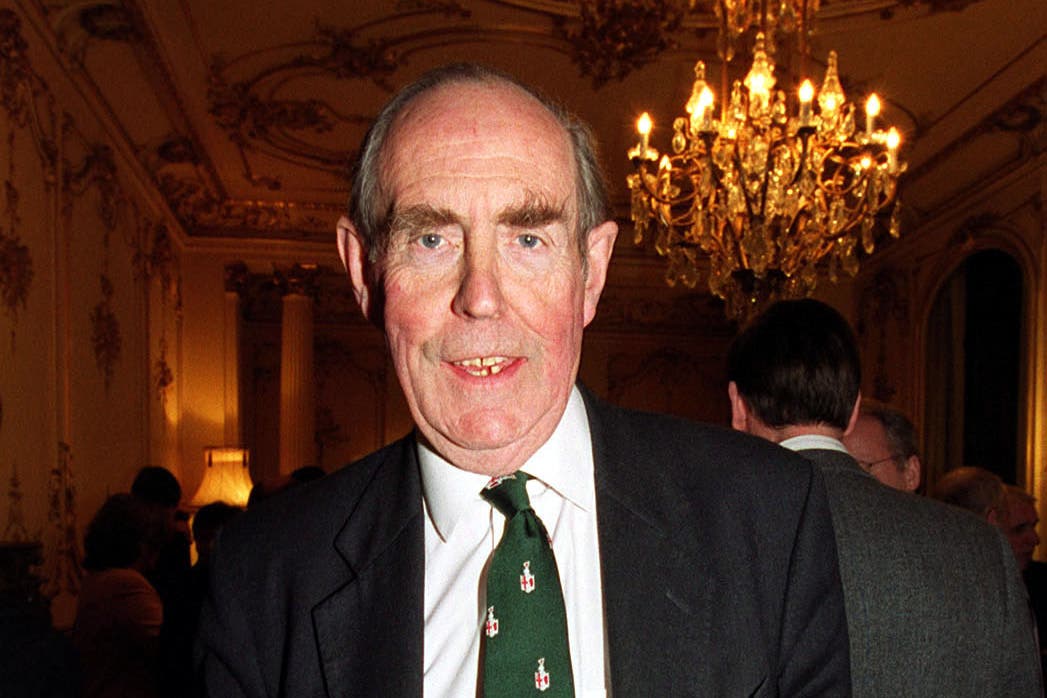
column 529, row 241
column 431, row 240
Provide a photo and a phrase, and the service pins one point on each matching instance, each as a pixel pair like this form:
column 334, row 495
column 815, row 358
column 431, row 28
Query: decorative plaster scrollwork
column 301, row 279
column 615, row 38
column 105, row 332
column 18, row 89
column 257, row 119
column 201, row 212
column 96, row 171
column 692, row 313
column 18, row 82
column 883, row 303
column 163, row 376
column 16, row 268
column 15, row 530
column 63, row 571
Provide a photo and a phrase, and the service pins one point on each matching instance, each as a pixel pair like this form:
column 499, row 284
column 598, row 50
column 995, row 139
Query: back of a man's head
column 797, row 364
column 158, row 486
column 975, row 489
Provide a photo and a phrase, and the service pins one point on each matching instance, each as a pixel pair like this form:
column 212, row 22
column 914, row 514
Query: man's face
column 867, row 442
column 485, row 297
column 1020, row 528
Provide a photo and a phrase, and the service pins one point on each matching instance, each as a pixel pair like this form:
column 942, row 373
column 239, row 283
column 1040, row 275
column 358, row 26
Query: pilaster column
column 297, row 389
column 235, row 280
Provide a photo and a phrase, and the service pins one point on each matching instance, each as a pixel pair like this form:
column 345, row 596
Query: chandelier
column 765, row 191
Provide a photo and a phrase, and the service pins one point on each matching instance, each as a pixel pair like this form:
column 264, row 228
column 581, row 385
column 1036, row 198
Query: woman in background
column 119, row 613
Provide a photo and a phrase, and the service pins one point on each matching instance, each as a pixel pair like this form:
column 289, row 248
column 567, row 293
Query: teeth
column 482, row 367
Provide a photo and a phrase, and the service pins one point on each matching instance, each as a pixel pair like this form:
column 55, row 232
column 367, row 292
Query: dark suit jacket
column 719, row 571
column 935, row 605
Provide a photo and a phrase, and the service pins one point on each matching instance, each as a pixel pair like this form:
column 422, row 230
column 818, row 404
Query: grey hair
column 971, row 488
column 370, row 202
column 901, row 434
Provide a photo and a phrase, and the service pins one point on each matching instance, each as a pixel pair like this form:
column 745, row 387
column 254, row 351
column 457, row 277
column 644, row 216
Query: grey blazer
column 935, row 605
column 716, row 549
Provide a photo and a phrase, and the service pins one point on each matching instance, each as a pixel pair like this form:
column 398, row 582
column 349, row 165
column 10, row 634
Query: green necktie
column 525, row 632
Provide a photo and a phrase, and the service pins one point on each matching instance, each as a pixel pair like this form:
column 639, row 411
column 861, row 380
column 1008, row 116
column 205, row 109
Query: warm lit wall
column 87, row 270
column 896, row 291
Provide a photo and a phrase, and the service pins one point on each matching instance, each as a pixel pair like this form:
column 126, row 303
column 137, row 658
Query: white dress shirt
column 811, row 442
column 462, row 530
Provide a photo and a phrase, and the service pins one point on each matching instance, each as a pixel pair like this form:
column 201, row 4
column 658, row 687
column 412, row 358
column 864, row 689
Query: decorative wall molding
column 615, row 38
column 105, row 332
column 201, row 211
column 1024, row 116
column 627, row 311
column 257, row 120
column 883, row 313
column 15, row 530
column 63, row 566
column 20, row 91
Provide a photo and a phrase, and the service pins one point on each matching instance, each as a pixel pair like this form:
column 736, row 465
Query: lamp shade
column 226, row 477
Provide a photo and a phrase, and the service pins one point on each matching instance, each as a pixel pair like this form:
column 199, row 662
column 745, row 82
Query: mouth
column 482, row 367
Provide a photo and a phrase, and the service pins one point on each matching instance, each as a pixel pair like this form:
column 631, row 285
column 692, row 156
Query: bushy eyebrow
column 532, row 213
column 409, row 220
column 535, row 212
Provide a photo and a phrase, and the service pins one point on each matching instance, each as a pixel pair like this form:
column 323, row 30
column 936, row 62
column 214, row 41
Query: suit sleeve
column 814, row 657
column 1018, row 671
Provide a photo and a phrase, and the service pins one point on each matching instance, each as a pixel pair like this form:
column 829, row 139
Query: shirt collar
column 811, row 442
column 564, row 463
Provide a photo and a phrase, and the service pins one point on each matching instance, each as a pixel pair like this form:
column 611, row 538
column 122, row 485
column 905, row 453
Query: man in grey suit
column 935, row 606
column 693, row 560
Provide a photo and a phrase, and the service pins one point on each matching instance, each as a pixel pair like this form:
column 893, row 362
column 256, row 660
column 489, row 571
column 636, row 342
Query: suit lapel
column 369, row 632
column 653, row 599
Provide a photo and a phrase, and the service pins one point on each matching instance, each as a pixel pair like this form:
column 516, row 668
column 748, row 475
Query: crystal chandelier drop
column 765, row 191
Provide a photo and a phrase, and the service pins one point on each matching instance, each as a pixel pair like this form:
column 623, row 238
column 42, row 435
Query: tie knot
column 508, row 493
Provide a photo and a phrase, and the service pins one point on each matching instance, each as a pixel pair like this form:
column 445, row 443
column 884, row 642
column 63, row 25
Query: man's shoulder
column 691, row 453
column 875, row 517
column 679, row 432
column 317, row 510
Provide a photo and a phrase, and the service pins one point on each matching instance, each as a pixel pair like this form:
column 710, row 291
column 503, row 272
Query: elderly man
column 975, row 489
column 526, row 538
column 935, row 606
column 883, row 442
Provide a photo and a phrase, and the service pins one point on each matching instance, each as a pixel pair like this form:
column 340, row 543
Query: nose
column 480, row 286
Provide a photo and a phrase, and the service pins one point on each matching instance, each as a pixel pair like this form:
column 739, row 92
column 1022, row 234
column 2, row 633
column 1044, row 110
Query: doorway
column 973, row 369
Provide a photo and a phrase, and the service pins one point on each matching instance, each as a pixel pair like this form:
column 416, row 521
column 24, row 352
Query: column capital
column 299, row 279
column 236, row 278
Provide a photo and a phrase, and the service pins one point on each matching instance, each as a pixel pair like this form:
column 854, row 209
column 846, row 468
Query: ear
column 913, row 469
column 600, row 245
column 353, row 252
column 855, row 413
column 739, row 410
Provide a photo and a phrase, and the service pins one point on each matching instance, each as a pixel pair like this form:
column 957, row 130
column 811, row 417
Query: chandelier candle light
column 765, row 191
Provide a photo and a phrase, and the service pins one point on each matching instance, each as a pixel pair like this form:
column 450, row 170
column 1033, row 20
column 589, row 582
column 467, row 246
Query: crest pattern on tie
column 525, row 631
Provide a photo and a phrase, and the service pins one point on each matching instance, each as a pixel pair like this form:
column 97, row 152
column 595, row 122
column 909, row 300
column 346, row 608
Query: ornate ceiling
column 245, row 115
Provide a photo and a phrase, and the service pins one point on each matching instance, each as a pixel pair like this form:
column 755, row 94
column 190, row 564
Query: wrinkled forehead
column 499, row 121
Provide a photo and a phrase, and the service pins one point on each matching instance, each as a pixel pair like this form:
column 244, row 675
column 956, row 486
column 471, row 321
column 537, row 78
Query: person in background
column 923, row 583
column 1018, row 521
column 119, row 613
column 161, row 494
column 975, row 489
column 207, row 523
column 688, row 559
column 1019, row 525
column 883, row 441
